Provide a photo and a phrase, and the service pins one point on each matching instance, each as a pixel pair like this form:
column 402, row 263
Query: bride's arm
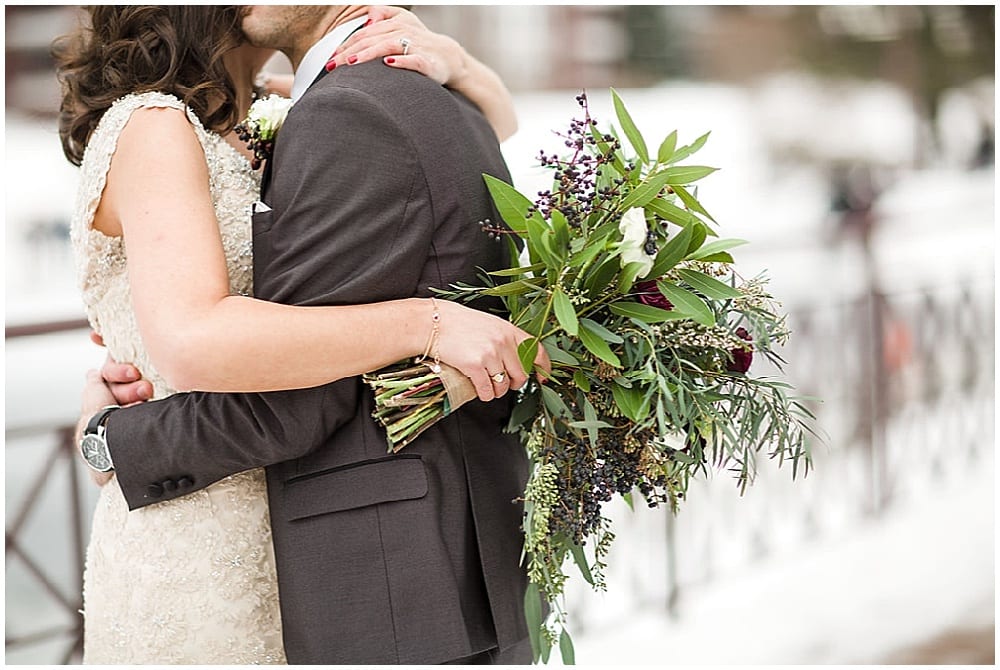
column 437, row 56
column 200, row 337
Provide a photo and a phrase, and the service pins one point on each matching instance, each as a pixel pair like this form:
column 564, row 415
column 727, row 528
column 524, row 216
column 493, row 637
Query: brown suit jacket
column 376, row 194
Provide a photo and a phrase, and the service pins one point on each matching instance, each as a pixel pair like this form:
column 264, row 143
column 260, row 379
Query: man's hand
column 123, row 379
column 95, row 396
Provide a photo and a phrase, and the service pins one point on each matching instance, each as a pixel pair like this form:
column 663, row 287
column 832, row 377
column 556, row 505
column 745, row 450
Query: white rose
column 269, row 113
column 634, row 232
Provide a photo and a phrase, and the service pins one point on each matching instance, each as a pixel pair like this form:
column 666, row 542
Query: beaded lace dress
column 191, row 580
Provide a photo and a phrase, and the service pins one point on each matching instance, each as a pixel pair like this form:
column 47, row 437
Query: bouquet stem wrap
column 412, row 398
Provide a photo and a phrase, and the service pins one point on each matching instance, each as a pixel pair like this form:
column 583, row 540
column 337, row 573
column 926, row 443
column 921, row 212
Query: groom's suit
column 376, row 194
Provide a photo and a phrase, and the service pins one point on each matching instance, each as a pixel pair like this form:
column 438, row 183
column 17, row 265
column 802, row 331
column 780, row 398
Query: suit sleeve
column 350, row 225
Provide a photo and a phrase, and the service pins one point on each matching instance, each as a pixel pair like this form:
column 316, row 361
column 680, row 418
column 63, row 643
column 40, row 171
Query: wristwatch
column 93, row 445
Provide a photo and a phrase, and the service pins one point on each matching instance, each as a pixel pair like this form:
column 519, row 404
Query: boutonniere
column 261, row 126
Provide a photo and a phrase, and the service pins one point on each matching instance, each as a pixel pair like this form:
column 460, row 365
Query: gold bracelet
column 433, row 342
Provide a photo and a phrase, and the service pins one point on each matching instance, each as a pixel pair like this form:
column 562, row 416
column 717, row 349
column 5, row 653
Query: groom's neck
column 335, row 16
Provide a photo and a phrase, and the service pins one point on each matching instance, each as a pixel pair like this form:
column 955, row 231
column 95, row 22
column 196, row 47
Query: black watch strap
column 98, row 419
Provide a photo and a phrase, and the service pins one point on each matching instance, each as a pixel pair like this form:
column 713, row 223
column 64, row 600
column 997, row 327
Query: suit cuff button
column 185, row 482
column 154, row 491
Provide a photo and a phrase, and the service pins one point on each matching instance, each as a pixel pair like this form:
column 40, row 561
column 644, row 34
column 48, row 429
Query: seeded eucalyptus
column 651, row 333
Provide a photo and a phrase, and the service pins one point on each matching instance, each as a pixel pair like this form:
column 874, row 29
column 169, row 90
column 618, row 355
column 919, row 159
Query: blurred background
column 856, row 147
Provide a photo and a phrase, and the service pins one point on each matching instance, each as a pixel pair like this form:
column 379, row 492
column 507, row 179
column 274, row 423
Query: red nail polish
column 352, row 60
column 367, row 23
column 330, row 65
column 390, row 60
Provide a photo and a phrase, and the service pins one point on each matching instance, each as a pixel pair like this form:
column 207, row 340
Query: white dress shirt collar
column 315, row 59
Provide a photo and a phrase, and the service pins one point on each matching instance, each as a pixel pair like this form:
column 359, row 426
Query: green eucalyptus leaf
column 686, row 151
column 524, row 411
column 687, row 302
column 644, row 313
column 629, row 127
column 628, row 276
column 593, row 425
column 558, row 355
column 515, row 271
column 629, row 401
column 511, row 204
column 538, row 236
column 526, row 352
column 600, row 276
column 565, row 312
column 685, row 174
column 590, row 418
column 670, row 212
column 647, row 189
column 586, row 254
column 691, row 202
column 672, row 252
column 721, row 257
column 566, row 648
column 667, row 148
column 519, row 287
column 554, row 403
column 596, row 345
column 581, row 562
column 698, row 234
column 581, row 381
column 560, row 228
column 533, row 617
column 709, row 286
column 597, row 328
column 714, row 247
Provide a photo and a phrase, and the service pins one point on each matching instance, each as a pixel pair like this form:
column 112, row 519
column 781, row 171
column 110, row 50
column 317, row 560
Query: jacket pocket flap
column 355, row 485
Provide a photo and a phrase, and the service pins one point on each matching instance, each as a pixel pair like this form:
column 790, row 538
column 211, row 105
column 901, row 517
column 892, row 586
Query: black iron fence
column 907, row 388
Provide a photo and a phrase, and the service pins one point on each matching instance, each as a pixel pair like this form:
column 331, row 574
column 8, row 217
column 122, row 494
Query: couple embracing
column 267, row 481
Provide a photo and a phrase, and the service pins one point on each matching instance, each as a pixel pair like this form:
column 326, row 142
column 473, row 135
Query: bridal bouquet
column 651, row 333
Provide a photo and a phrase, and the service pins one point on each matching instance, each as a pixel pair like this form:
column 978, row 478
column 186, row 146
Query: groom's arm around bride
column 375, row 194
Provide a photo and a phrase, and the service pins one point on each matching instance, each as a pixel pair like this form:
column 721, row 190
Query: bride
column 192, row 580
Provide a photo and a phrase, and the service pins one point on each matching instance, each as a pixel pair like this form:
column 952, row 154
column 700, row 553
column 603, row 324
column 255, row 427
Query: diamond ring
column 405, row 41
column 499, row 377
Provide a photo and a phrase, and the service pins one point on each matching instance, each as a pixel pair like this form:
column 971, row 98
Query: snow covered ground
column 919, row 571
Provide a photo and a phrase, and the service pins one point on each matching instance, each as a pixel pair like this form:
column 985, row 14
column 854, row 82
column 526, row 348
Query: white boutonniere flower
column 261, row 126
column 634, row 233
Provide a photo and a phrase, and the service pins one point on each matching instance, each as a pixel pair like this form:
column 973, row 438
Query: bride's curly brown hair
column 126, row 49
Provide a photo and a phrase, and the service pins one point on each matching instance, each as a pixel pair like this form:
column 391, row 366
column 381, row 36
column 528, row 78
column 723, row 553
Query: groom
column 374, row 193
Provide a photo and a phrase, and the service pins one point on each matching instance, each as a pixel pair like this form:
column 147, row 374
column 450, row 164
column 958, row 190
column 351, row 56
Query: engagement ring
column 405, row 41
column 499, row 377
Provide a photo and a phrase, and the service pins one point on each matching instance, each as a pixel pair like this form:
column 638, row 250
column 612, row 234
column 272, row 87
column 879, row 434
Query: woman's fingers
column 125, row 382
column 484, row 385
column 513, row 369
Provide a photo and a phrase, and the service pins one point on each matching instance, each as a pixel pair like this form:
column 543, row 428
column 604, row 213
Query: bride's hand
column 437, row 56
column 124, row 379
column 95, row 396
column 481, row 346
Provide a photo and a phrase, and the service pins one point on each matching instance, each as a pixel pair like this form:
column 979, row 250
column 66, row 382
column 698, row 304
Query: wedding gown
column 191, row 580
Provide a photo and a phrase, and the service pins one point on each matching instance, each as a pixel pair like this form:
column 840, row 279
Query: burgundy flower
column 741, row 357
column 649, row 294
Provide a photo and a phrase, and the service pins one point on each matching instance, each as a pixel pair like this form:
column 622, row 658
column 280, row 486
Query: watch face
column 95, row 452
